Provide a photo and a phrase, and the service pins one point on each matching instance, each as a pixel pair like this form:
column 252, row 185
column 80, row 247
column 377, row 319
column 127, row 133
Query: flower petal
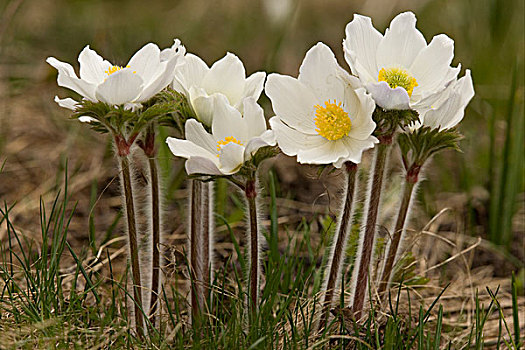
column 146, row 63
column 202, row 104
column 187, row 149
column 360, row 47
column 195, row 132
column 226, row 76
column 227, row 121
column 431, row 67
column 266, row 139
column 325, row 153
column 362, row 124
column 68, row 103
column 401, row 44
column 292, row 101
column 120, row 87
column 86, row 119
column 389, row 98
column 320, row 72
column 253, row 117
column 356, row 148
column 92, row 66
column 190, row 72
column 162, row 80
column 231, row 158
column 67, row 78
column 202, row 165
column 291, row 141
column 254, row 85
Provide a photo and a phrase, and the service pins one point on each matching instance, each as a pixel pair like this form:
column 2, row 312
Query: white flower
column 323, row 116
column 234, row 139
column 100, row 81
column 449, row 107
column 399, row 69
column 201, row 84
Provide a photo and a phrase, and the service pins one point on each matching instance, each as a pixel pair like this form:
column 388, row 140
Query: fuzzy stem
column 396, row 237
column 381, row 152
column 196, row 270
column 251, row 193
column 133, row 242
column 340, row 240
column 206, row 213
column 155, row 225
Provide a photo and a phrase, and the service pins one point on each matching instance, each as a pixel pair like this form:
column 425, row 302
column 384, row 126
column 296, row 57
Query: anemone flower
column 399, row 68
column 323, row 116
column 100, row 81
column 235, row 138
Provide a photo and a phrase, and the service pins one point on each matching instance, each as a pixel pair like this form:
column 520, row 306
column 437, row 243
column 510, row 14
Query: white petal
column 67, row 78
column 254, row 85
column 266, row 139
column 202, row 104
column 227, row 121
column 162, row 80
column 226, row 76
column 292, row 101
column 360, row 47
column 356, row 148
column 177, row 49
column 195, row 132
column 231, row 158
column 431, row 67
column 202, row 165
column 68, row 103
column 326, row 153
column 291, row 141
column 401, row 44
column 362, row 124
column 120, row 87
column 146, row 63
column 389, row 98
column 187, row 149
column 189, row 73
column 86, row 119
column 92, row 66
column 320, row 71
column 253, row 117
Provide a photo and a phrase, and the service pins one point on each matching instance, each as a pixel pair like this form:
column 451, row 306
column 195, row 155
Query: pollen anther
column 398, row 77
column 332, row 121
column 226, row 141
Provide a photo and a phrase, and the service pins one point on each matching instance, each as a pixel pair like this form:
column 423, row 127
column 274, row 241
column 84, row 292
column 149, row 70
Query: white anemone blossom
column 100, row 81
column 323, row 116
column 449, row 108
column 399, row 68
column 202, row 84
column 235, row 138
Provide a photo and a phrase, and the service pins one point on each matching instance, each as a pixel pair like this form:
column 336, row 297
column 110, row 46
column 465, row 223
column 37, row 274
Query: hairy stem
column 366, row 249
column 206, row 187
column 254, row 246
column 155, row 227
column 133, row 242
column 398, row 233
column 196, row 268
column 339, row 242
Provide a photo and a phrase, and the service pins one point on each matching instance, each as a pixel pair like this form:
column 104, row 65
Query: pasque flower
column 235, row 138
column 399, row 68
column 129, row 85
column 323, row 116
column 202, row 84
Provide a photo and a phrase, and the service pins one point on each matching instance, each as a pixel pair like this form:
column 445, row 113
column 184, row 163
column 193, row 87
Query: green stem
column 133, row 242
column 396, row 237
column 381, row 152
column 339, row 242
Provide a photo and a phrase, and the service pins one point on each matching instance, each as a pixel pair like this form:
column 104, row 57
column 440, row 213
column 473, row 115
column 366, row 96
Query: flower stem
column 133, row 242
column 207, row 222
column 155, row 225
column 251, row 193
column 366, row 248
column 339, row 242
column 196, row 269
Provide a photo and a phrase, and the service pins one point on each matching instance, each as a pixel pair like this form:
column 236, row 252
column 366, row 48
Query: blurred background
column 483, row 186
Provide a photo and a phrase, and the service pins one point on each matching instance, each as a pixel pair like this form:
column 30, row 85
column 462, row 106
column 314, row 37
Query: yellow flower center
column 398, row 77
column 114, row 69
column 226, row 141
column 332, row 122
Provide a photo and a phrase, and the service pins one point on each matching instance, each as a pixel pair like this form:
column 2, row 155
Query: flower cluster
column 325, row 116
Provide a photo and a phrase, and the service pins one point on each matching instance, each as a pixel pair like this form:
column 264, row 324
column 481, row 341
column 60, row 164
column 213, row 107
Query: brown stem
column 133, row 242
column 340, row 239
column 254, row 245
column 396, row 237
column 197, row 294
column 206, row 212
column 155, row 225
column 381, row 152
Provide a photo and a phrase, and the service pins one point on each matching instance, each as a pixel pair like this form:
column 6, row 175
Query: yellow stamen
column 226, row 141
column 332, row 122
column 114, row 69
column 398, row 77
